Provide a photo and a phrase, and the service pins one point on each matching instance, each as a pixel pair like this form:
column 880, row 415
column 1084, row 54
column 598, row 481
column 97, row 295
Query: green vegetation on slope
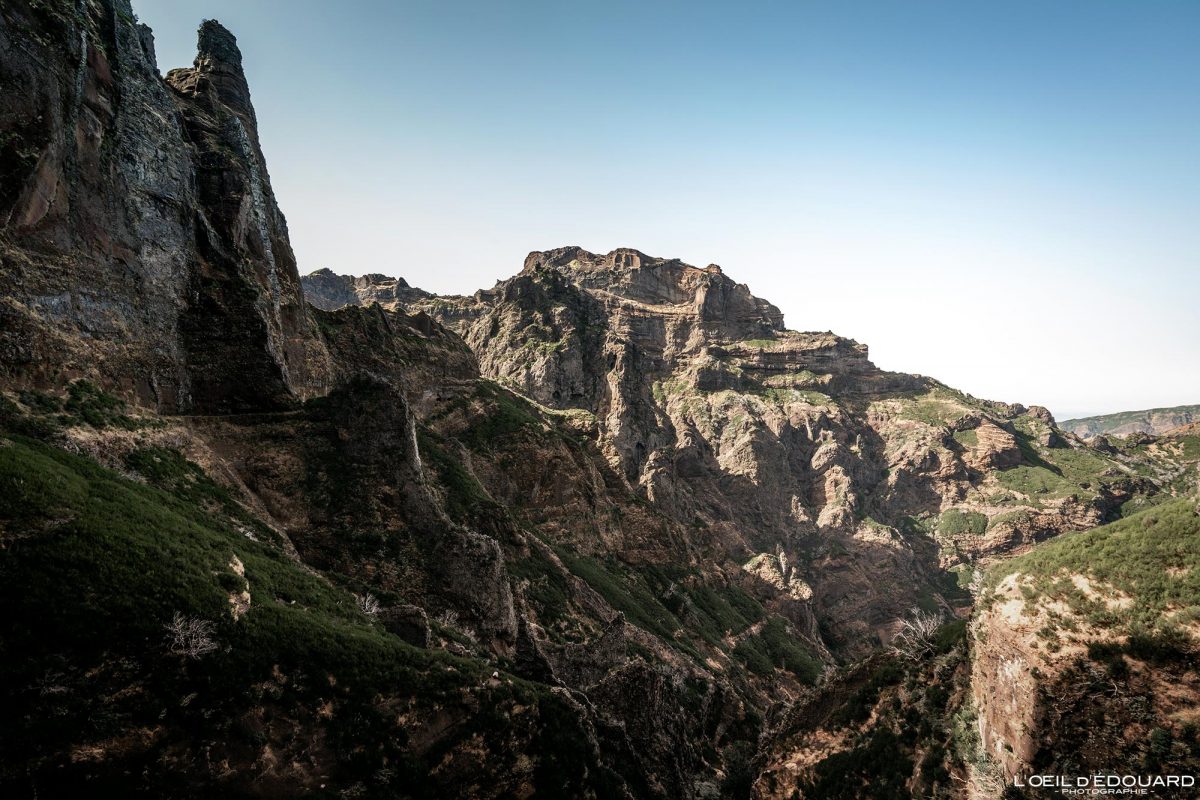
column 95, row 558
column 1152, row 557
column 773, row 647
column 625, row 591
column 464, row 494
column 506, row 414
column 1054, row 472
column 95, row 565
column 896, row 723
column 938, row 407
column 955, row 522
column 84, row 404
column 660, row 601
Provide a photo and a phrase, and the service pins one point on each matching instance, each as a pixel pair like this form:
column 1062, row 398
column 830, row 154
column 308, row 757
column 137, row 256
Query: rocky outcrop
column 994, row 448
column 329, row 291
column 142, row 241
column 1005, row 684
column 246, row 287
column 413, row 351
column 768, row 441
column 635, row 282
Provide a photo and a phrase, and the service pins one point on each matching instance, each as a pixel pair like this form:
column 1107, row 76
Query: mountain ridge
column 606, row 529
column 1152, row 421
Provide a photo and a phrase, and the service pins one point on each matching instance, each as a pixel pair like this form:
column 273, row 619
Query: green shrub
column 1152, row 556
column 954, row 522
column 754, row 657
column 97, row 408
column 721, row 611
column 787, row 652
column 857, row 707
column 122, row 557
column 774, row 647
column 507, row 414
column 878, row 768
column 548, row 589
column 624, row 591
column 464, row 494
column 950, row 635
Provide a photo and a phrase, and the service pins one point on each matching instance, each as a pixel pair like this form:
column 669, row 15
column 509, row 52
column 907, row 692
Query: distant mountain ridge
column 1153, row 421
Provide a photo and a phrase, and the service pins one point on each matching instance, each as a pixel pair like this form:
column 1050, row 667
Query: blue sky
column 1004, row 196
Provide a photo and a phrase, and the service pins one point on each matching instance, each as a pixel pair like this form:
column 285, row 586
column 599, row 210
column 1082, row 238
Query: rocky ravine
column 789, row 452
column 852, row 490
column 605, row 530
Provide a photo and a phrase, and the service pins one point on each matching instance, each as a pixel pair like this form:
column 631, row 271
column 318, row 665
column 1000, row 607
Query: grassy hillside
column 1143, row 571
column 1097, row 633
column 94, row 568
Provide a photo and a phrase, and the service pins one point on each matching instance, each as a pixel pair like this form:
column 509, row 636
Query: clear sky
column 1002, row 195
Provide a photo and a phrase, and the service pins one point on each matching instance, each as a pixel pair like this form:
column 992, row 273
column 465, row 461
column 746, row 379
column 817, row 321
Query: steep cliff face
column 1084, row 652
column 245, row 286
column 142, row 246
column 786, row 455
column 608, row 529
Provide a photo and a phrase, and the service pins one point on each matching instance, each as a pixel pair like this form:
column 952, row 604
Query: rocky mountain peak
column 329, row 291
column 151, row 206
column 217, row 70
column 217, row 44
column 642, row 284
column 379, row 279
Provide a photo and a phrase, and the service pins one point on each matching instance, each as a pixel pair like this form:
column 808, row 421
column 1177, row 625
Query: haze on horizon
column 1002, row 196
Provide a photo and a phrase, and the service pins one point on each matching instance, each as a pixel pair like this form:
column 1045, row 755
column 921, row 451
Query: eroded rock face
column 759, row 439
column 612, row 507
column 329, row 291
column 635, row 282
column 145, row 249
column 98, row 196
column 995, row 448
column 1004, row 683
column 1058, row 693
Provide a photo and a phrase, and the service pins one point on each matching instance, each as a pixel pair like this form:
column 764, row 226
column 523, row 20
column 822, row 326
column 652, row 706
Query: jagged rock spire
column 217, row 74
column 218, row 43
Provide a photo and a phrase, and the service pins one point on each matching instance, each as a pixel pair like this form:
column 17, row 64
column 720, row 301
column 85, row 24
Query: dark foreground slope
column 301, row 691
column 248, row 546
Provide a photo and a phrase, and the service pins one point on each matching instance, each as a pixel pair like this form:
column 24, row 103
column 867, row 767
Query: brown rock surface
column 612, row 510
column 142, row 242
column 765, row 440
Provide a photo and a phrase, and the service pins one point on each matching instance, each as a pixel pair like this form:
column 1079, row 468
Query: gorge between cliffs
column 606, row 529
